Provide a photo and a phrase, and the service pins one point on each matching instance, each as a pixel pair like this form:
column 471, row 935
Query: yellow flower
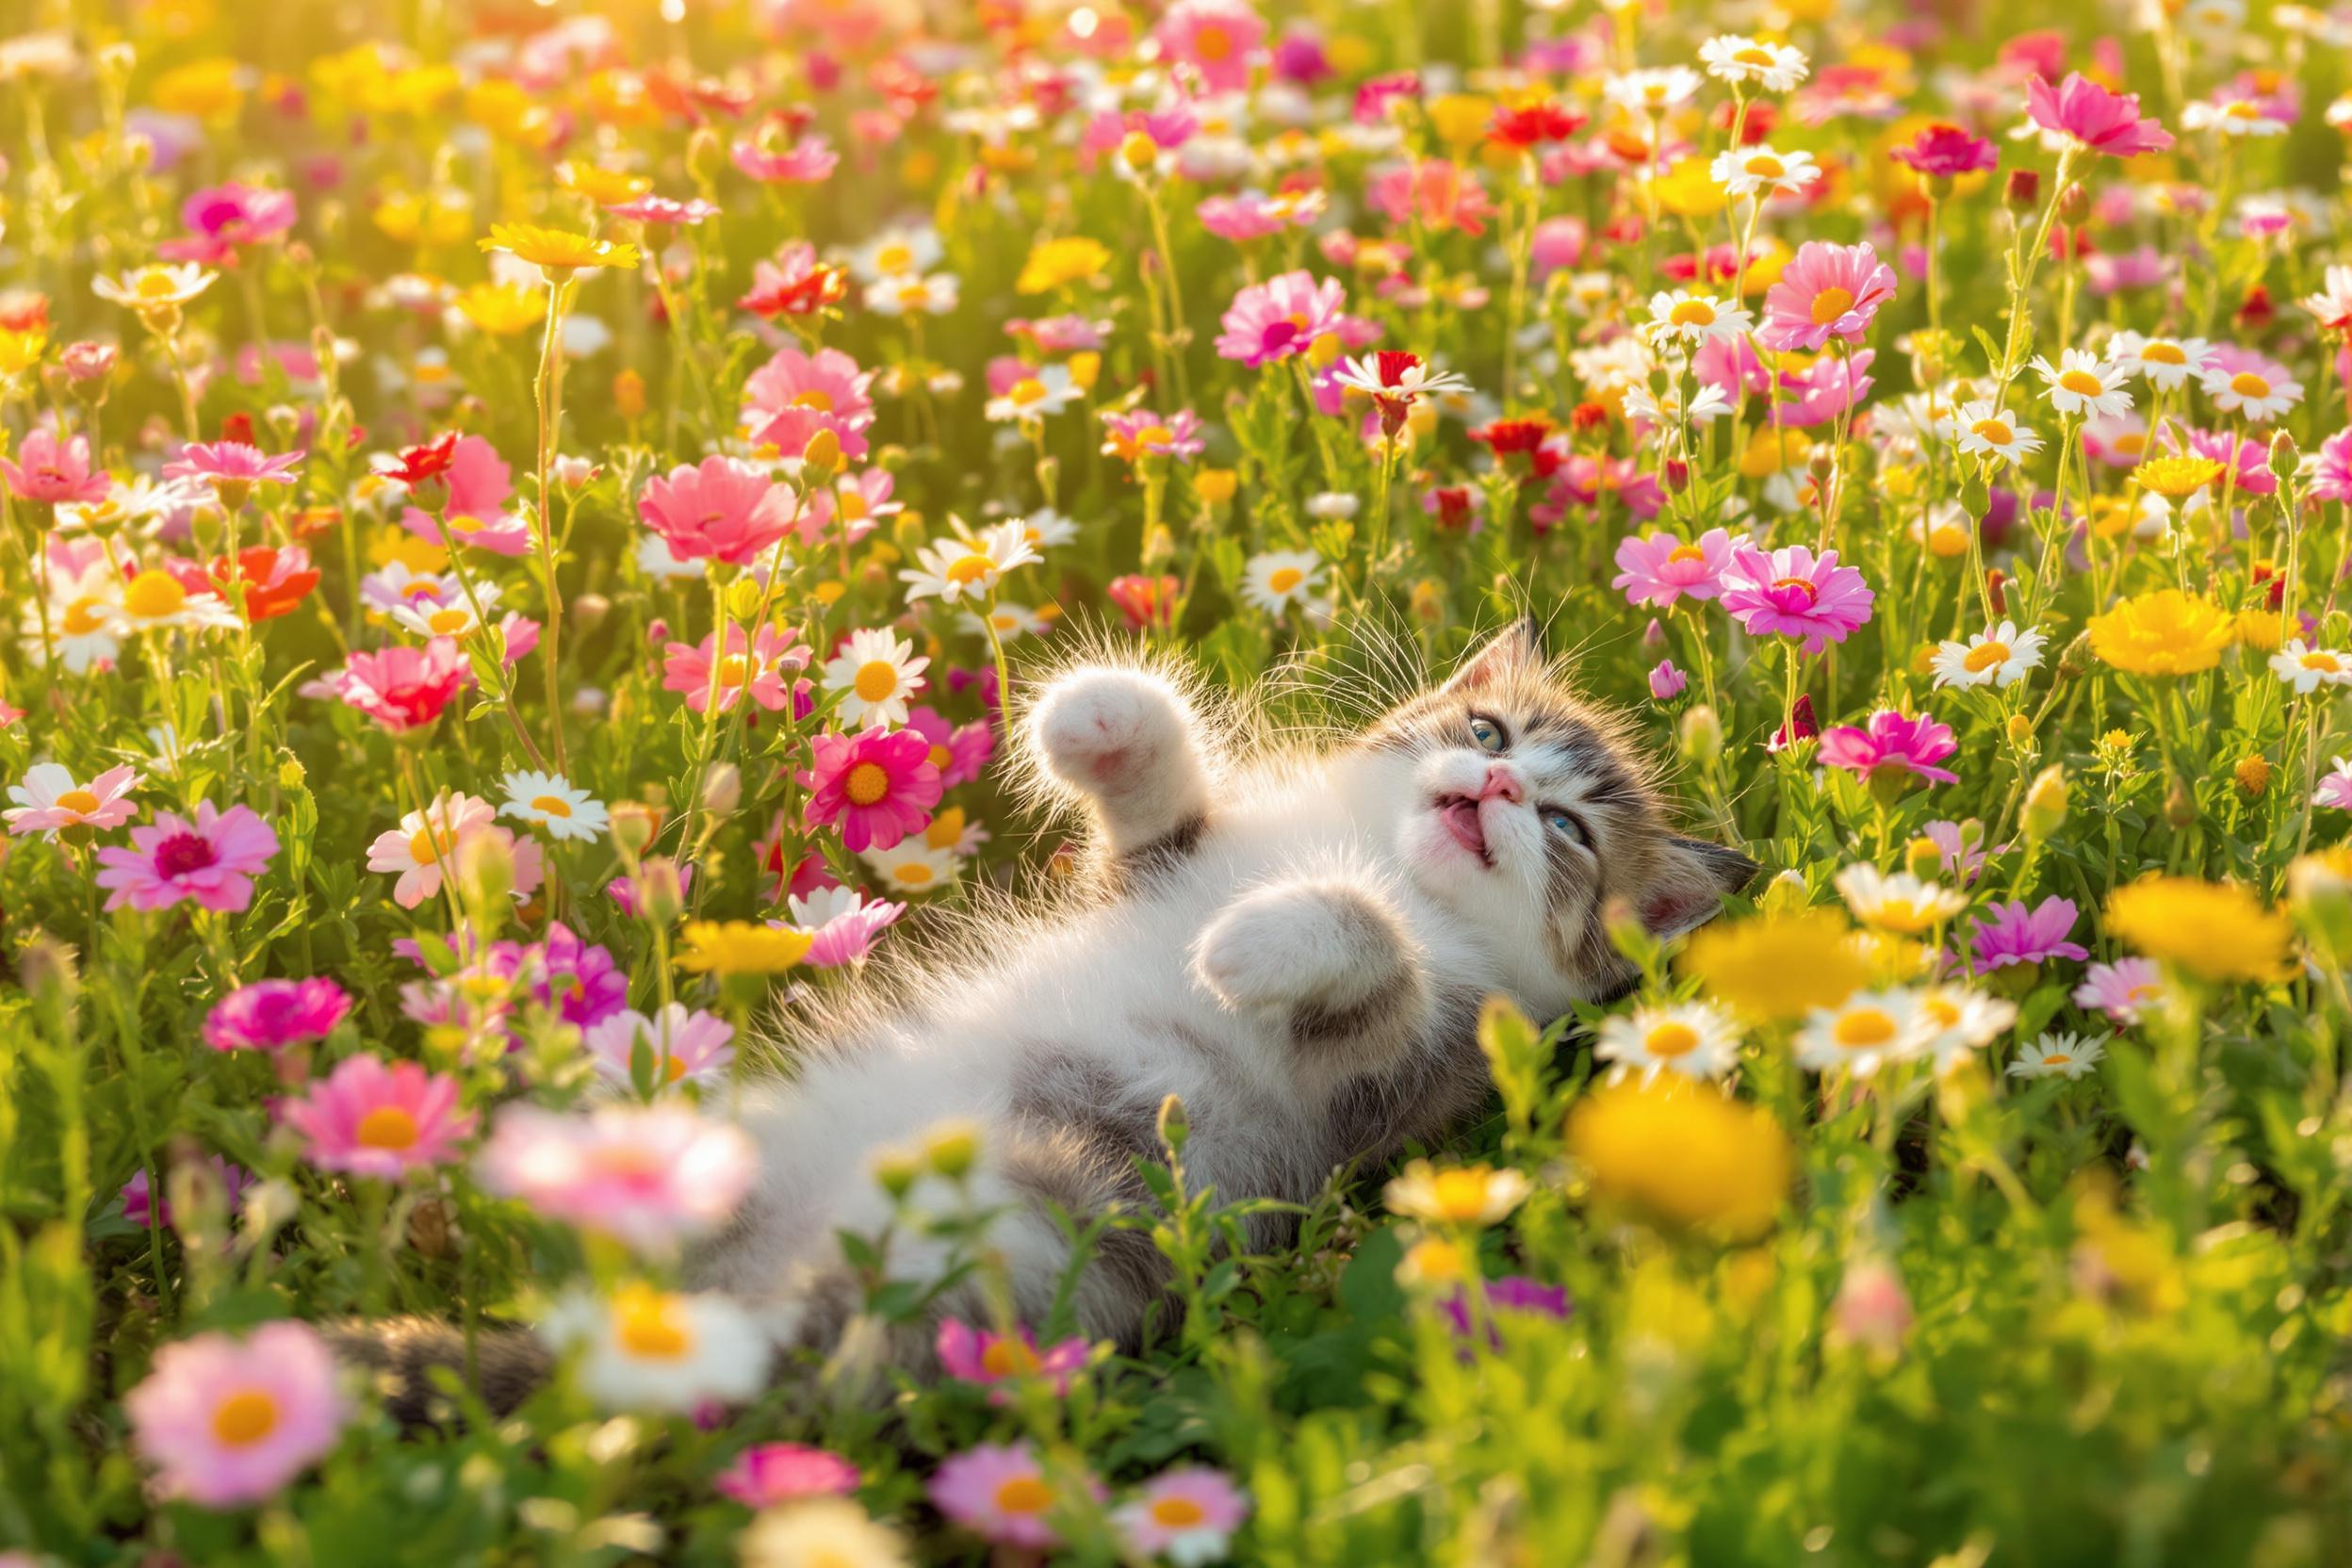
column 20, row 350
column 557, row 249
column 1467, row 1195
column 1771, row 451
column 2261, row 628
column 2216, row 931
column 604, row 187
column 1687, row 190
column 1056, row 262
column 2176, row 477
column 1215, row 487
column 1682, row 1155
column 1460, row 119
column 1434, row 1261
column 502, row 309
column 1778, row 966
column 740, row 947
column 427, row 218
column 204, row 89
column 2166, row 632
column 508, row 111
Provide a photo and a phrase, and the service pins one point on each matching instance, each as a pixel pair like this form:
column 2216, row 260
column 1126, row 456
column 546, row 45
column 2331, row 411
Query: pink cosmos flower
column 1828, row 291
column 878, row 785
column 663, row 209
column 1280, row 317
column 1247, row 217
column 2335, row 787
column 794, row 395
column 403, row 688
column 767, row 1474
column 723, row 509
column 2121, row 989
column 50, row 801
column 1662, row 568
column 980, row 1356
column 1000, row 1494
column 1667, row 681
column 2250, row 457
column 232, row 465
column 1139, row 433
column 366, row 1118
column 212, row 859
column 2010, row 934
column 271, row 1014
column 1893, row 742
column 1944, row 151
column 423, row 849
column 228, row 1422
column 858, row 502
column 1960, row 847
column 1186, row 1515
column 575, row 979
column 479, row 484
column 842, row 922
column 1590, row 480
column 808, row 161
column 1788, row 593
column 1217, row 38
column 683, row 1044
column 2093, row 117
column 758, row 670
column 958, row 751
column 653, row 1176
column 221, row 218
column 2332, row 474
column 48, row 470
column 1434, row 192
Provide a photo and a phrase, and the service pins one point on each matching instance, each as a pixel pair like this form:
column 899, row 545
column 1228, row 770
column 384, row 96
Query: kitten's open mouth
column 1460, row 813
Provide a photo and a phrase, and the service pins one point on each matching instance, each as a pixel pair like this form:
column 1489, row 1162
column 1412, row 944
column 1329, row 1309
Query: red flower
column 237, row 427
column 428, row 462
column 1534, row 125
column 273, row 581
column 1148, row 601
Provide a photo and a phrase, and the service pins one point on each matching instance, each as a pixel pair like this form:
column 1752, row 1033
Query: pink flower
column 2121, row 989
column 2250, row 457
column 1893, row 742
column 1872, row 1308
column 1139, row 433
column 1960, row 847
column 958, row 751
column 479, row 485
column 2335, row 789
column 1217, row 38
column 878, row 785
column 213, row 860
column 2009, row 934
column 138, row 1195
column 221, row 218
column 1666, row 681
column 366, row 1118
column 2101, row 121
column 795, row 395
column 1436, row 194
column 2331, row 476
column 758, row 670
column 1000, row 1494
column 860, row 503
column 767, row 1474
column 681, row 1044
column 1789, row 594
column 50, row 801
column 48, row 470
column 232, row 465
column 723, row 509
column 651, row 1175
column 979, row 1356
column 808, row 161
column 228, row 1422
column 423, row 849
column 577, row 980
column 403, row 688
column 1944, row 151
column 1186, row 1515
column 1246, row 217
column 663, row 209
column 1662, row 568
column 842, row 922
column 1828, row 291
column 271, row 1014
column 1279, row 318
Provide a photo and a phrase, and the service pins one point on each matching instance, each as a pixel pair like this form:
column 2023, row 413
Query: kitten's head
column 1526, row 813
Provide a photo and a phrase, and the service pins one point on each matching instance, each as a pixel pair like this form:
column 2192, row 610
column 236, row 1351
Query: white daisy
column 1763, row 171
column 2167, row 361
column 1046, row 528
column 1862, row 1033
column 2259, row 392
column 155, row 287
column 442, row 611
column 914, row 867
column 2081, row 384
column 966, row 565
column 1902, row 903
column 1009, row 620
column 662, row 1350
column 550, row 801
column 1774, row 67
column 1999, row 656
column 896, row 253
column 832, row 1531
column 2307, row 668
column 1982, row 428
column 1407, row 386
column 82, row 620
column 1278, row 579
column 1652, row 92
column 935, row 295
column 1682, row 317
column 1327, row 506
column 875, row 672
column 1049, row 391
column 2066, row 1056
column 1693, row 1038
column 155, row 601
column 1962, row 1021
column 1665, row 408
column 2233, row 117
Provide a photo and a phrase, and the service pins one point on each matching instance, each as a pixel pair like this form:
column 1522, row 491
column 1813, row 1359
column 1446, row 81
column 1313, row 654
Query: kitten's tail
column 506, row 1365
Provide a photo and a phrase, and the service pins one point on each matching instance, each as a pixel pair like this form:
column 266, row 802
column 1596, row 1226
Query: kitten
column 1297, row 942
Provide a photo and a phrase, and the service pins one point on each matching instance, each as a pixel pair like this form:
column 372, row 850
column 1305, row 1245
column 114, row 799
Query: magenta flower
column 980, row 1356
column 653, row 1176
column 1662, row 568
column 1893, row 742
column 221, row 218
column 48, row 470
column 1667, row 680
column 366, row 1118
column 767, row 1474
column 1280, row 317
column 1215, row 38
column 212, row 859
column 2335, row 787
column 228, row 1422
column 723, row 509
column 2093, row 117
column 759, row 670
column 232, row 467
column 1139, row 433
column 794, row 395
column 1828, row 291
column 1790, row 594
column 808, row 161
column 2332, row 472
column 878, row 785
column 2121, row 989
column 2010, row 934
column 843, row 924
column 1798, row 728
column 403, row 688
column 664, row 209
column 271, row 1014
column 1959, row 847
column 2251, row 458
column 1945, row 150
column 1507, row 1296
column 50, row 801
column 958, row 751
column 1000, row 1494
column 575, row 978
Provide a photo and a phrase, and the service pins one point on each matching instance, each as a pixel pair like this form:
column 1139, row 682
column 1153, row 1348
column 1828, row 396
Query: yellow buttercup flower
column 604, row 187
column 2166, row 632
column 1682, row 1155
column 2259, row 627
column 1687, row 190
column 558, row 250
column 1778, row 966
column 20, row 350
column 1466, row 1195
column 2216, row 931
column 204, row 89
column 502, row 309
column 2176, row 477
column 427, row 218
column 742, row 947
column 1056, row 262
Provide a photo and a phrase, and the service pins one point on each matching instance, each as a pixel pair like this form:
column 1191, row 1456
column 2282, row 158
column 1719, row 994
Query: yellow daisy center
column 876, row 678
column 970, row 569
column 1862, row 1028
column 245, row 1419
column 551, row 806
column 2317, row 658
column 1670, row 1040
column 2163, row 354
column 893, row 258
column 2245, row 384
column 867, row 783
column 1461, row 1194
column 1765, row 166
column 81, row 617
column 1281, row 579
column 2056, row 1058
column 1830, row 303
column 2081, row 384
column 386, row 1127
column 1984, row 656
column 152, row 595
column 81, row 801
column 445, row 622
column 647, row 1328
column 1692, row 313
column 1178, row 1513
column 154, row 284
column 1994, row 430
column 914, row 873
column 1755, row 54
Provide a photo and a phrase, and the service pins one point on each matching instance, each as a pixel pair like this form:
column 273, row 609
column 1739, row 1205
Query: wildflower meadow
column 527, row 533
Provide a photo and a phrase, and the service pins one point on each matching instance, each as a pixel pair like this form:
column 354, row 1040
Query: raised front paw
column 1313, row 943
column 1106, row 731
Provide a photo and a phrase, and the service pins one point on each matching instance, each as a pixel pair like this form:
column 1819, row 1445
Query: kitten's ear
column 1693, row 875
column 1515, row 649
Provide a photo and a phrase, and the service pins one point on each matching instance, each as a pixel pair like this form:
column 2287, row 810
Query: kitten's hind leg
column 1332, row 957
column 1124, row 739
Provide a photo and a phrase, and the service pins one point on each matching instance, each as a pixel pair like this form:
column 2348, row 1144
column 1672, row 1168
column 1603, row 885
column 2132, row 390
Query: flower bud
column 2021, row 733
column 485, row 869
column 2022, row 192
column 2284, row 458
column 1215, row 487
column 2046, row 802
column 743, row 599
column 1785, row 894
column 659, row 890
column 723, row 790
column 896, row 1171
column 2179, row 805
column 2253, row 774
column 1702, row 735
column 629, row 395
column 1923, row 859
column 587, row 611
column 634, row 824
column 952, row 1149
column 821, row 458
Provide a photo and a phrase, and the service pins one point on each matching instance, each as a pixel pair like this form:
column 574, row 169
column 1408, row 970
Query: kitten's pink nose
column 1501, row 780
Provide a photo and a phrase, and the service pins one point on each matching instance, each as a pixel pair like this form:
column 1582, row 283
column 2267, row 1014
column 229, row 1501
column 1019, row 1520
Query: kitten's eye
column 1561, row 820
column 1488, row 733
